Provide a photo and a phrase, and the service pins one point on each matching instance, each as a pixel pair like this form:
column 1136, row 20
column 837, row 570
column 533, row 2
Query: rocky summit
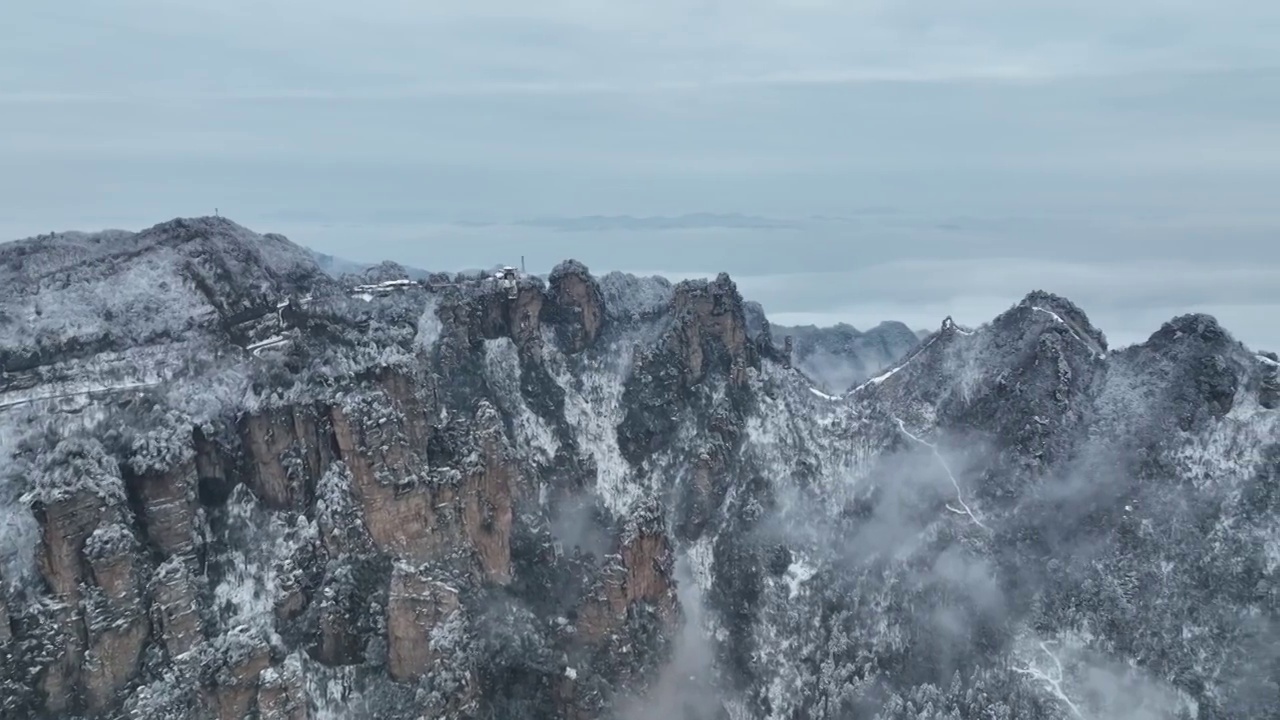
column 233, row 486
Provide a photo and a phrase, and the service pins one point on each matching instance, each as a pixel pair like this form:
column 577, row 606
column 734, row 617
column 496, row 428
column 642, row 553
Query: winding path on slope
column 964, row 507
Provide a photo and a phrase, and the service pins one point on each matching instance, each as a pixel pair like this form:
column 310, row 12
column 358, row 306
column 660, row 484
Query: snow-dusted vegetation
column 428, row 502
column 629, row 297
column 64, row 295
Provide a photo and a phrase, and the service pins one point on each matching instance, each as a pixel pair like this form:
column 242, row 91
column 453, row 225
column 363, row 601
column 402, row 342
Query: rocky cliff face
column 394, row 512
column 613, row 498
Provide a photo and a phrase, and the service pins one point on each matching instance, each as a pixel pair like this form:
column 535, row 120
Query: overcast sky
column 1126, row 154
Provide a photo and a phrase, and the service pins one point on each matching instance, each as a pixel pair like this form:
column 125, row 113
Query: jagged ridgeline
column 232, row 486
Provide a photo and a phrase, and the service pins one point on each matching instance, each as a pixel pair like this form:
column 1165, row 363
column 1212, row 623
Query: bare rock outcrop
column 459, row 499
column 287, row 450
column 417, row 605
column 169, row 505
column 82, row 492
column 575, row 306
column 641, row 573
column 712, row 329
column 355, row 526
column 707, row 333
column 487, row 312
column 703, row 492
column 239, row 660
column 116, row 618
column 523, row 316
column 175, row 607
column 339, row 607
column 281, row 693
column 487, row 491
column 416, row 515
column 382, row 437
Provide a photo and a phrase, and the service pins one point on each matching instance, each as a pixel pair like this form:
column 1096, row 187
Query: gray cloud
column 284, row 47
column 1120, row 154
column 1133, row 282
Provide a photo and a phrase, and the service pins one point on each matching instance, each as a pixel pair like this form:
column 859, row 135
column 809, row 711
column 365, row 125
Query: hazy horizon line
column 995, row 74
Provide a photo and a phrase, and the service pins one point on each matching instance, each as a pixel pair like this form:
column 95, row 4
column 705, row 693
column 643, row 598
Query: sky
column 861, row 161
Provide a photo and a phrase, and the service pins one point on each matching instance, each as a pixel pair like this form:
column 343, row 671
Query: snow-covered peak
column 75, row 295
column 401, row 502
column 568, row 267
column 1194, row 328
column 1061, row 310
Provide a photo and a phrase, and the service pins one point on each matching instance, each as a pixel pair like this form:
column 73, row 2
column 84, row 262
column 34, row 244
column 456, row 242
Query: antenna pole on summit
column 215, row 213
column 521, row 263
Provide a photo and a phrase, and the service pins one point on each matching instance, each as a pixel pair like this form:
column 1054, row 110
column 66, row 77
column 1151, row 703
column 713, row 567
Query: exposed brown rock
column 703, row 494
column 470, row 317
column 354, row 461
column 338, row 642
column 382, row 439
column 112, row 555
column 233, row 692
column 174, row 606
column 639, row 577
column 712, row 311
column 61, row 680
column 523, row 317
column 169, row 506
column 643, row 572
column 414, row 397
column 708, row 332
column 281, row 694
column 117, row 628
column 412, row 515
column 291, row 600
column 399, row 509
column 605, row 607
column 649, row 561
column 576, row 306
column 417, row 605
column 288, row 449
column 65, row 526
column 486, row 495
column 113, row 659
column 67, row 521
column 339, row 518
column 518, row 319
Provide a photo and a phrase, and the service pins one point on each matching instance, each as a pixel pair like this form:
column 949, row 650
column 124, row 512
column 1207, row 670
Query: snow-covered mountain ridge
column 608, row 497
column 836, row 358
column 840, row 357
